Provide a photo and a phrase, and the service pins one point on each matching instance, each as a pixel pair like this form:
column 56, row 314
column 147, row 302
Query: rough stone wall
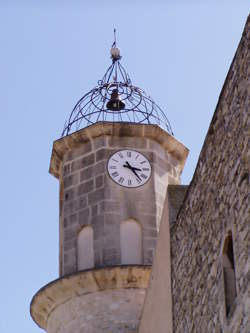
column 217, row 202
column 90, row 197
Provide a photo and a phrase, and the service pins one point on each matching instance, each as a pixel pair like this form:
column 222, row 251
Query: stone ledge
column 85, row 282
column 153, row 132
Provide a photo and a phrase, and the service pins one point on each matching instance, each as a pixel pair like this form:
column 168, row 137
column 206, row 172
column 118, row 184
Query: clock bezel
column 125, row 186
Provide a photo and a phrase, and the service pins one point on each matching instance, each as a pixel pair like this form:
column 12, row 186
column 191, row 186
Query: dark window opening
column 229, row 273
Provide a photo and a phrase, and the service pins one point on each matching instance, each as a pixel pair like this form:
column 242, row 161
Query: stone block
column 93, row 171
column 68, row 269
column 147, row 207
column 83, row 162
column 104, row 154
column 148, row 257
column 149, row 243
column 127, row 142
column 148, row 220
column 82, row 202
column 85, row 148
column 86, row 187
column 98, row 232
column 94, row 210
column 69, row 234
column 70, row 220
column 69, row 256
column 100, row 142
column 149, row 233
column 158, row 149
column 112, row 219
column 110, row 206
column 83, row 216
column 111, row 256
column 97, row 221
column 69, row 194
column 97, row 259
column 66, row 169
column 161, row 163
column 99, row 181
column 70, row 180
column 70, row 244
column 96, row 196
column 70, row 207
column 173, row 160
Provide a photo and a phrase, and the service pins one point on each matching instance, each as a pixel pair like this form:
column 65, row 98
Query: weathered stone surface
column 80, row 142
column 103, row 300
column 217, row 201
column 89, row 194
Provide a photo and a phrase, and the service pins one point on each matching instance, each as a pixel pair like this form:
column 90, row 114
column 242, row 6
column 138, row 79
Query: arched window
column 131, row 242
column 229, row 273
column 85, row 248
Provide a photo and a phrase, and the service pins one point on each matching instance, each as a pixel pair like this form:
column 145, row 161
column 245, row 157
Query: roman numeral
column 143, row 176
column 129, row 153
column 115, row 174
column 113, row 167
column 129, row 182
column 114, row 160
column 145, row 169
column 120, row 154
column 121, row 180
column 143, row 162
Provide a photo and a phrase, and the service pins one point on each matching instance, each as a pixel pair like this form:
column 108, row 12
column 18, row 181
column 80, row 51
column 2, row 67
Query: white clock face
column 129, row 168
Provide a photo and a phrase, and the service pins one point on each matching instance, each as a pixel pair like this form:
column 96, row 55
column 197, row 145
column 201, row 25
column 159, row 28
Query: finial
column 115, row 51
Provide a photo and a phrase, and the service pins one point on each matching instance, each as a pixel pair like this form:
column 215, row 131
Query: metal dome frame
column 138, row 107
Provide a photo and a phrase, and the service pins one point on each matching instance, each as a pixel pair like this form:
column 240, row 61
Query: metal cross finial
column 115, row 51
column 114, row 36
column 114, row 43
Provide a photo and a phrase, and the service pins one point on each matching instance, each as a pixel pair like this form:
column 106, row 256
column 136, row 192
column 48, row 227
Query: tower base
column 101, row 300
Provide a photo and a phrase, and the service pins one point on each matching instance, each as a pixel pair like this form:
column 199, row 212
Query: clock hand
column 136, row 173
column 135, row 169
column 127, row 165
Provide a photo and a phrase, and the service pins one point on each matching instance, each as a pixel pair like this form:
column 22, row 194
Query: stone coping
column 84, row 282
column 153, row 132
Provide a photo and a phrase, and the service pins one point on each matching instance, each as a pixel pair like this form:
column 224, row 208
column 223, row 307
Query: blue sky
column 52, row 52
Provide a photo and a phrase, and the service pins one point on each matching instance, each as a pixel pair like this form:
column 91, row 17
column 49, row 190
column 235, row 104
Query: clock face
column 129, row 168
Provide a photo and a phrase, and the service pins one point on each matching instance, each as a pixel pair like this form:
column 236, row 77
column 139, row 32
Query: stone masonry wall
column 105, row 311
column 90, row 197
column 217, row 202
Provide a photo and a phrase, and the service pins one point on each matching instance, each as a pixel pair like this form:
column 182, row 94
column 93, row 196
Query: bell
column 115, row 103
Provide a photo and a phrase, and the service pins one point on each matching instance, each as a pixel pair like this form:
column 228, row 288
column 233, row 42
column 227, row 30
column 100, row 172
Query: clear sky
column 52, row 52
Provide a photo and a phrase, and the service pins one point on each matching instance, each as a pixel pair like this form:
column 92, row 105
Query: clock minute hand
column 133, row 170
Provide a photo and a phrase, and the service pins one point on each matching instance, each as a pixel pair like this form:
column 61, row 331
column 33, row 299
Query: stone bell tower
column 114, row 162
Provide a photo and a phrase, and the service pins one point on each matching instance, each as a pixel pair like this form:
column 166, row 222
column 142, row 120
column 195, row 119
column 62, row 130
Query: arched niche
column 229, row 273
column 131, row 242
column 85, row 248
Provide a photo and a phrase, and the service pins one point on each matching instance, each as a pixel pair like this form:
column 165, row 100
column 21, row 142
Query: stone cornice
column 153, row 132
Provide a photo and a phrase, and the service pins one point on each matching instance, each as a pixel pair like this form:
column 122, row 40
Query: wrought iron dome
column 115, row 99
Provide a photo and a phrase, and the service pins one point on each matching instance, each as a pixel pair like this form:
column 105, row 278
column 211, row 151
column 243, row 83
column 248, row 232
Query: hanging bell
column 115, row 103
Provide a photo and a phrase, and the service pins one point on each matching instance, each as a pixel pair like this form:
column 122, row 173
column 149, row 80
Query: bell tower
column 114, row 161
